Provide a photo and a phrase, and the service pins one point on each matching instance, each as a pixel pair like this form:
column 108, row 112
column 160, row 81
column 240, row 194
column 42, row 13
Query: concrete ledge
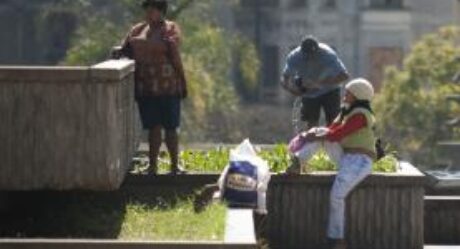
column 112, row 69
column 408, row 175
column 112, row 244
column 40, row 74
column 441, row 247
column 240, row 227
column 239, row 234
column 442, row 220
column 107, row 71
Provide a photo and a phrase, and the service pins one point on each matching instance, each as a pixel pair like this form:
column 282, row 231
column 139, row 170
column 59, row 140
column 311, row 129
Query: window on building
column 379, row 59
column 386, row 4
column 270, row 66
column 330, row 4
column 270, row 3
column 247, row 3
column 294, row 4
column 260, row 3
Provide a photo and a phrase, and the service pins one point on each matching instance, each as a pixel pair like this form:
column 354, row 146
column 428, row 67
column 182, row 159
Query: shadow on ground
column 76, row 214
column 62, row 215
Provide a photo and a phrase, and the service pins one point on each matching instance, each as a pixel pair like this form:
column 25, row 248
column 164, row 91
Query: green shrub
column 278, row 159
column 411, row 107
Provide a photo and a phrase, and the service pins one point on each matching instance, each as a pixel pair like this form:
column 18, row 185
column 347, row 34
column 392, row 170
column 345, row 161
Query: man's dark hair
column 161, row 5
column 310, row 45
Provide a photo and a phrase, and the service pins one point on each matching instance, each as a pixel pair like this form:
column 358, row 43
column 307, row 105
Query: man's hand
column 291, row 88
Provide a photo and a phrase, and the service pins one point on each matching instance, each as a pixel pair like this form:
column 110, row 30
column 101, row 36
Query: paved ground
column 442, row 247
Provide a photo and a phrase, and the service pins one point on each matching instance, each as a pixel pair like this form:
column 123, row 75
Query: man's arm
column 173, row 39
column 289, row 72
column 286, row 83
column 341, row 77
column 335, row 70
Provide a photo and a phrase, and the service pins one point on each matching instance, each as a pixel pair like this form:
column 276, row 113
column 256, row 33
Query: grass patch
column 142, row 222
column 277, row 157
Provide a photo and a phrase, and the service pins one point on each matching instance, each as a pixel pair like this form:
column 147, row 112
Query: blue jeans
column 353, row 168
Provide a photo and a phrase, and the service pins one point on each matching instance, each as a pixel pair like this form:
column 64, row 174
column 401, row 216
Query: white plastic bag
column 245, row 152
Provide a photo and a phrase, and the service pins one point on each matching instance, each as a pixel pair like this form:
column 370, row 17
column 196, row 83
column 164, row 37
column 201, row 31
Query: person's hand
column 116, row 53
column 298, row 82
column 288, row 86
column 308, row 136
column 314, row 134
column 321, row 131
column 296, row 92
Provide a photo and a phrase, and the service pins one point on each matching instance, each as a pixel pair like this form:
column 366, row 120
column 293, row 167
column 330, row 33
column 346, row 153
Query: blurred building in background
column 368, row 34
column 31, row 34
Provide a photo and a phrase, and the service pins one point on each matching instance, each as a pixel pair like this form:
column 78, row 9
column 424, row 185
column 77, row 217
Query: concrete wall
column 67, row 127
column 32, row 35
column 385, row 211
column 442, row 220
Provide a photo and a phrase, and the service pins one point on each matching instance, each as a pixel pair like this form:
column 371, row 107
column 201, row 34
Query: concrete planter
column 67, row 127
column 239, row 234
column 385, row 211
column 442, row 205
column 442, row 220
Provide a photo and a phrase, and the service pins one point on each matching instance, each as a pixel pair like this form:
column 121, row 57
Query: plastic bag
column 296, row 143
column 244, row 182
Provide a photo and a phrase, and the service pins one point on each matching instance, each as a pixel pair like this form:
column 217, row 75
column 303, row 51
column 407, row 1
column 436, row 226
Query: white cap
column 361, row 88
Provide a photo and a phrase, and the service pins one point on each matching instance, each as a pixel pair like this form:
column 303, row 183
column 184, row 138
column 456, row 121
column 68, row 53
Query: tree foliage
column 412, row 109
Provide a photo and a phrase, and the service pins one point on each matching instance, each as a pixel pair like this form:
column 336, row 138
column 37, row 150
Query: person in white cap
column 350, row 143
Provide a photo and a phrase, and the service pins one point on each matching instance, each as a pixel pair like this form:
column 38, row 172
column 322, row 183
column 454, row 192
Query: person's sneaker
column 178, row 171
column 295, row 167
